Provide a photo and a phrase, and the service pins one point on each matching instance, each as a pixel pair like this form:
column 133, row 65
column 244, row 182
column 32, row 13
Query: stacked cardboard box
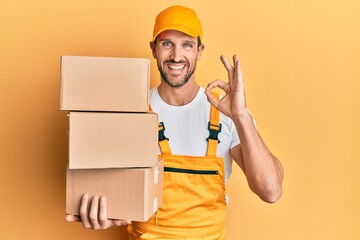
column 113, row 139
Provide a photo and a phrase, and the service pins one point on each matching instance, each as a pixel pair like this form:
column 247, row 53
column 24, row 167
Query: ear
column 200, row 50
column 153, row 46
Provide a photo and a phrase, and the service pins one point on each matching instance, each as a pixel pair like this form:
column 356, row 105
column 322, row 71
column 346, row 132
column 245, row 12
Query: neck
column 178, row 96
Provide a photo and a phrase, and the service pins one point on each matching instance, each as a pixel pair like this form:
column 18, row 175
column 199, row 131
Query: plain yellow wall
column 302, row 72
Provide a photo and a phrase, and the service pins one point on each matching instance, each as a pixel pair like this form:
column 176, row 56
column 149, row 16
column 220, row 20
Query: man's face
column 176, row 54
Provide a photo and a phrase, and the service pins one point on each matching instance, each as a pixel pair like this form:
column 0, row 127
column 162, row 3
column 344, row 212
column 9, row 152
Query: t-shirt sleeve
column 235, row 140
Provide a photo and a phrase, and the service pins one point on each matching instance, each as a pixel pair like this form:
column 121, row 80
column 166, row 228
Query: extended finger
column 238, row 70
column 239, row 80
column 94, row 212
column 84, row 211
column 228, row 67
column 103, row 219
column 235, row 59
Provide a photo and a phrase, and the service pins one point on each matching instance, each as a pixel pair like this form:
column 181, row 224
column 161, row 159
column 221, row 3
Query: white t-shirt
column 187, row 128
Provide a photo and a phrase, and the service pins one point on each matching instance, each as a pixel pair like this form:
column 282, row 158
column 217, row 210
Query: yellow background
column 302, row 74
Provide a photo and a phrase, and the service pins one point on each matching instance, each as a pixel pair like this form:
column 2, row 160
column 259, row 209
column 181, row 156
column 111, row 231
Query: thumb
column 72, row 218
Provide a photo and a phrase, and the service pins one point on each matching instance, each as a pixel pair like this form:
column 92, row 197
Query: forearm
column 263, row 171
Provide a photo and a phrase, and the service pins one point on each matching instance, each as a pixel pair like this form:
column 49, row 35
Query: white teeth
column 176, row 67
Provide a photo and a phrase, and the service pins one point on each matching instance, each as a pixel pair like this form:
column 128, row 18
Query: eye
column 187, row 45
column 166, row 44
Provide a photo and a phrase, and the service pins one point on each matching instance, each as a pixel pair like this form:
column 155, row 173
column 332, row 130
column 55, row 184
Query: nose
column 176, row 53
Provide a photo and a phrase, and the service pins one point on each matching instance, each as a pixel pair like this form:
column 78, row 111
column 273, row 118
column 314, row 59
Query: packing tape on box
column 156, row 175
column 155, row 207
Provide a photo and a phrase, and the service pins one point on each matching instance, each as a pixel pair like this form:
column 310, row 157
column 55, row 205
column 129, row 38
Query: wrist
column 242, row 116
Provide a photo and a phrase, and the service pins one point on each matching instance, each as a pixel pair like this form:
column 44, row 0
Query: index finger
column 212, row 99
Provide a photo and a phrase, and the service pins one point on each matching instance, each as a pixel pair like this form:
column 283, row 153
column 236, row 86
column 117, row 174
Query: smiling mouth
column 176, row 66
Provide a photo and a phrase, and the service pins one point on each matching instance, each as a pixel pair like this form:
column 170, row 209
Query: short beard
column 179, row 84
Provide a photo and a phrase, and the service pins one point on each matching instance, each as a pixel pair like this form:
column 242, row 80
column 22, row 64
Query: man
column 203, row 135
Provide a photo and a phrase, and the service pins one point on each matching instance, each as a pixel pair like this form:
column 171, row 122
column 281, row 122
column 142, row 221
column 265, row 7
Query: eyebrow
column 169, row 40
column 164, row 39
column 190, row 41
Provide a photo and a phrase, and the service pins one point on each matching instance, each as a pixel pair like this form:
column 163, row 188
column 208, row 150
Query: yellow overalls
column 194, row 204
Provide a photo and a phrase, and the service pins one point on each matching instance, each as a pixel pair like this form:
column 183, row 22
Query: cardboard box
column 132, row 193
column 104, row 84
column 112, row 140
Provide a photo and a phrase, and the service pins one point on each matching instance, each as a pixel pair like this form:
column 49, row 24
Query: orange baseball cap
column 178, row 18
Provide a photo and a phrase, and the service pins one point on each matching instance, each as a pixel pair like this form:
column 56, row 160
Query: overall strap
column 163, row 141
column 214, row 127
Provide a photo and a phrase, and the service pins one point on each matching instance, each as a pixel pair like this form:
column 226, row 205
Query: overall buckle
column 161, row 128
column 214, row 131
